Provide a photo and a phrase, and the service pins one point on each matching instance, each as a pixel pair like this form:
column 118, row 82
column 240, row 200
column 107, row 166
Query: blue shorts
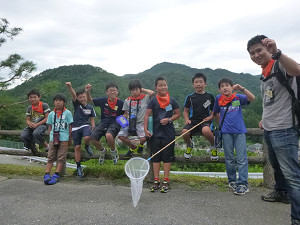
column 80, row 133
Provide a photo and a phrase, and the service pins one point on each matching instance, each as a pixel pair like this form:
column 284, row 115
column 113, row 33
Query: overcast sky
column 123, row 36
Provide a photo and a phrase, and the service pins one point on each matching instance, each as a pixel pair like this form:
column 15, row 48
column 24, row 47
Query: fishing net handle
column 176, row 139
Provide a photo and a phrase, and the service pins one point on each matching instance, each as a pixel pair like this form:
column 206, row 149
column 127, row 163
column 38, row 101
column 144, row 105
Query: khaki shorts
column 58, row 152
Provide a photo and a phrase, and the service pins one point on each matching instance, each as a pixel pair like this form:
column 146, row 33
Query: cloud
column 123, row 36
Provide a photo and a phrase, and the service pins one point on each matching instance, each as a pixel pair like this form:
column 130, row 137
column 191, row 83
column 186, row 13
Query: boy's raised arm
column 87, row 89
column 250, row 96
column 71, row 90
column 148, row 91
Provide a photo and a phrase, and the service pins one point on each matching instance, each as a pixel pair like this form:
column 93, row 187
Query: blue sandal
column 54, row 179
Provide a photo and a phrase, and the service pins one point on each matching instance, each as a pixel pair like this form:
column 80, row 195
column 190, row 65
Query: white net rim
column 146, row 170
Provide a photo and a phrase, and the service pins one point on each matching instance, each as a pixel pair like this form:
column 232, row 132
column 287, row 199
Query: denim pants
column 36, row 135
column 283, row 156
column 237, row 142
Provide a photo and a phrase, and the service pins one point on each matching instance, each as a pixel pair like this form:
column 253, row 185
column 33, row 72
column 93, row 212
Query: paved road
column 31, row 202
column 79, row 202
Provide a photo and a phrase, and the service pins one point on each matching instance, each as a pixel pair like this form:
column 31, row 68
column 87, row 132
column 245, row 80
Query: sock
column 87, row 146
column 78, row 164
column 167, row 179
column 140, row 145
column 190, row 145
column 57, row 173
column 47, row 173
column 156, row 179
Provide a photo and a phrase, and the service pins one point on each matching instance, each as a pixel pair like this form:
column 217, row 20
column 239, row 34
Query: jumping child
column 111, row 108
column 81, row 127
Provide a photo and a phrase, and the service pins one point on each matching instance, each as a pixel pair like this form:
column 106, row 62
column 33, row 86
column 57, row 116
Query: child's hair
column 199, row 75
column 255, row 40
column 158, row 79
column 225, row 80
column 133, row 84
column 60, row 96
column 111, row 84
column 80, row 92
column 33, row 92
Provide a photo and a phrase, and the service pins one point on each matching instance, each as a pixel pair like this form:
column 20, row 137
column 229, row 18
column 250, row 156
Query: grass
column 115, row 175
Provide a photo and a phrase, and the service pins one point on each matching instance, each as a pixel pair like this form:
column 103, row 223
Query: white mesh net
column 136, row 169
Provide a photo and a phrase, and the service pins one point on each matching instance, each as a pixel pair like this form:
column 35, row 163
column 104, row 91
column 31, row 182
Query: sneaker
column 129, row 154
column 164, row 186
column 115, row 156
column 295, row 222
column 102, row 156
column 89, row 150
column 241, row 190
column 54, row 179
column 232, row 185
column 140, row 149
column 187, row 154
column 47, row 178
column 80, row 172
column 155, row 186
column 214, row 155
column 27, row 149
column 276, row 196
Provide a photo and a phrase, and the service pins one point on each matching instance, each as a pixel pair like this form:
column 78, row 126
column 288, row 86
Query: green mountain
column 179, row 79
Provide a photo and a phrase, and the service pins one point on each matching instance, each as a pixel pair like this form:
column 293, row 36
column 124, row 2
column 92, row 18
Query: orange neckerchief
column 112, row 105
column 267, row 70
column 58, row 113
column 39, row 108
column 163, row 101
column 223, row 100
column 140, row 97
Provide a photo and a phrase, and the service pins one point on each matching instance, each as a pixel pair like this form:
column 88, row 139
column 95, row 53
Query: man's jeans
column 237, row 142
column 283, row 156
column 36, row 135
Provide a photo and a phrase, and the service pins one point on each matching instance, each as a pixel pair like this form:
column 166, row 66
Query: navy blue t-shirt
column 82, row 114
column 108, row 115
column 165, row 131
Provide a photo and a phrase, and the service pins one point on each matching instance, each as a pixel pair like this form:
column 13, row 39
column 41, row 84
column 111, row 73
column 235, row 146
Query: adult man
column 280, row 133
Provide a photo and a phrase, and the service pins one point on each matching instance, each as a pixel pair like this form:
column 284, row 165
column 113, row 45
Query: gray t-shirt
column 277, row 103
column 36, row 117
column 142, row 108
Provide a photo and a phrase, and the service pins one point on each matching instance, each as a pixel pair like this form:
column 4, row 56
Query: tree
column 15, row 66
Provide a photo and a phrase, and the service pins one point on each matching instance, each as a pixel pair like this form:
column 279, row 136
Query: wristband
column 277, row 55
column 170, row 121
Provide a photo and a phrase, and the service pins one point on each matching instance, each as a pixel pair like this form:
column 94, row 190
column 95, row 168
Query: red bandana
column 112, row 105
column 267, row 70
column 140, row 97
column 163, row 101
column 58, row 113
column 39, row 108
column 223, row 100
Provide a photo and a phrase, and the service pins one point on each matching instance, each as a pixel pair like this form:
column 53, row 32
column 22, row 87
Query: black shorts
column 80, row 133
column 166, row 155
column 101, row 130
column 197, row 129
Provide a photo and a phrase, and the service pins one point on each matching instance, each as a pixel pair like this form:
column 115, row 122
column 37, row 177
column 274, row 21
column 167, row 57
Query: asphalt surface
column 24, row 201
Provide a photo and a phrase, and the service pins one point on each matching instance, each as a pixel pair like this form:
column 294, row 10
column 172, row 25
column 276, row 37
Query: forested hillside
column 179, row 79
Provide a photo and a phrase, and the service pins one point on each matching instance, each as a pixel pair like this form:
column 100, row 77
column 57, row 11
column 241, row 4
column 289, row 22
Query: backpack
column 284, row 82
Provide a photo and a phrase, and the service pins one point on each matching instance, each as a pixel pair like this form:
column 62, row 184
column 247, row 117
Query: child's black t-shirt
column 163, row 131
column 200, row 106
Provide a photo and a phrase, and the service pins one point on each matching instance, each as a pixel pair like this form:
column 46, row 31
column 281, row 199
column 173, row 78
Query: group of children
column 199, row 110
